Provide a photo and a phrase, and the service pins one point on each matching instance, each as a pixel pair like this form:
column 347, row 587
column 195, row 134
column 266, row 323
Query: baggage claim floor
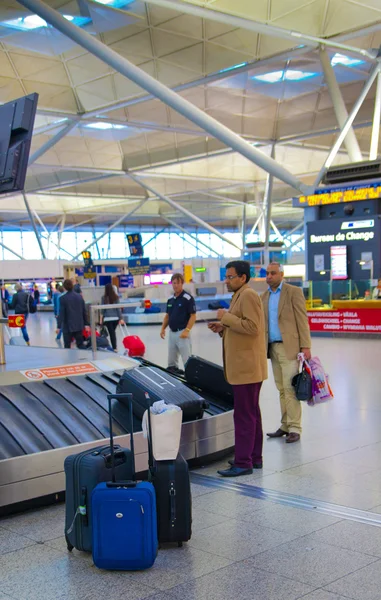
column 307, row 526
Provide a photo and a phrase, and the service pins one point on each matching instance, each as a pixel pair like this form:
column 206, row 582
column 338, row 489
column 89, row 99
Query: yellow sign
column 343, row 195
column 188, row 273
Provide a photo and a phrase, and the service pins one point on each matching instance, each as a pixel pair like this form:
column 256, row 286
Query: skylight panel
column 114, row 3
column 348, row 61
column 288, row 75
column 103, row 125
column 32, row 22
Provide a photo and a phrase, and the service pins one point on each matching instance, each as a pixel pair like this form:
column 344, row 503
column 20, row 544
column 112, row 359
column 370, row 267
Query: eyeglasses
column 230, row 277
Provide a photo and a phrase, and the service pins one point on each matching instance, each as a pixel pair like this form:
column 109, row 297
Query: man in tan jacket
column 242, row 328
column 287, row 334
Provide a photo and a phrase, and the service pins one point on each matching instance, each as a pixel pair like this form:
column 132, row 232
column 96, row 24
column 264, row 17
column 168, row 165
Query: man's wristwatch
column 187, row 329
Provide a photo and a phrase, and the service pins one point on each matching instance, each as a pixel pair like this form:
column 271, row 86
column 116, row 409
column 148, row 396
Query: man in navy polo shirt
column 180, row 317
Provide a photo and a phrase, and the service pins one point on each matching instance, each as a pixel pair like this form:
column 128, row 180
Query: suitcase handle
column 118, row 484
column 127, row 397
column 150, row 450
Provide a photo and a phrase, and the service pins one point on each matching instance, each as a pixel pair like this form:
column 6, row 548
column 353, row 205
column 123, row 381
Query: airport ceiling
column 268, row 88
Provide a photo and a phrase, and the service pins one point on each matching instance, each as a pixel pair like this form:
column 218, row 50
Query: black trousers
column 111, row 327
column 77, row 335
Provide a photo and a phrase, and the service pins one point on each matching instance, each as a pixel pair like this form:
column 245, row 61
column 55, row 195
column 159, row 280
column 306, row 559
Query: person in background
column 57, row 293
column 4, row 300
column 111, row 317
column 76, row 285
column 180, row 318
column 376, row 294
column 36, row 294
column 21, row 302
column 242, row 329
column 72, row 318
column 287, row 334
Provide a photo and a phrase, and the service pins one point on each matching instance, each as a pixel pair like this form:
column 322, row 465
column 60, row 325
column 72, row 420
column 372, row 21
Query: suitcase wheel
column 68, row 544
column 179, row 544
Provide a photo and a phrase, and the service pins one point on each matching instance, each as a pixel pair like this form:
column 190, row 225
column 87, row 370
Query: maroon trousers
column 247, row 425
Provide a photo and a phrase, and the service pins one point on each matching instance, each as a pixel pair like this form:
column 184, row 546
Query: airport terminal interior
column 142, row 139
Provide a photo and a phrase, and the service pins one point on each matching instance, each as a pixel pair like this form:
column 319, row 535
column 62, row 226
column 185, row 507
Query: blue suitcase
column 124, row 522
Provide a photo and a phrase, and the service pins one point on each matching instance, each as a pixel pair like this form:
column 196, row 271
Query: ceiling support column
column 350, row 142
column 32, row 221
column 376, row 120
column 348, row 123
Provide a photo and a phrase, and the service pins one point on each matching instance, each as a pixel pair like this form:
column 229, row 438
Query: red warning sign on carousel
column 61, row 371
column 16, row 321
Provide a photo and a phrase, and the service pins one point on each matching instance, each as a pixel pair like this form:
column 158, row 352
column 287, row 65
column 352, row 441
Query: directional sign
column 135, row 244
column 138, row 266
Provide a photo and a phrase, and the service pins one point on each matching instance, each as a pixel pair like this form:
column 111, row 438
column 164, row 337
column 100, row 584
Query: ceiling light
column 341, row 59
column 114, row 3
column 103, row 126
column 233, row 67
column 289, row 75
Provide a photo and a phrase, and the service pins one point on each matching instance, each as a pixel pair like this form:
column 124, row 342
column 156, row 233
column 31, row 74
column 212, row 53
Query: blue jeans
column 24, row 330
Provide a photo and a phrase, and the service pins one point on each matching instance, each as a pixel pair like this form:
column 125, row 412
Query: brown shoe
column 292, row 437
column 278, row 433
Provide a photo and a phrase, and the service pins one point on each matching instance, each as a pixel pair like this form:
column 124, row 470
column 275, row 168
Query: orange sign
column 61, row 371
column 16, row 321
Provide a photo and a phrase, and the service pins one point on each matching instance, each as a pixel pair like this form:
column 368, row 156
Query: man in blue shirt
column 180, row 317
column 287, row 333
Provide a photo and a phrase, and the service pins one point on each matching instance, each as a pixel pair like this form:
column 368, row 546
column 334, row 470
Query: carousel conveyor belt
column 56, row 413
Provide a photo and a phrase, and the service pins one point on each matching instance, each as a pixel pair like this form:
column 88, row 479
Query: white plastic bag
column 166, row 421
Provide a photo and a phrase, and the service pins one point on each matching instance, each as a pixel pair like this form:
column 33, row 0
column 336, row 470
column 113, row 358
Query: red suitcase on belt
column 132, row 343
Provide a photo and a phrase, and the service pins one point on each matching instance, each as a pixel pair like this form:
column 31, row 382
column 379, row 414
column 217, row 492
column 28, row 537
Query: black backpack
column 32, row 306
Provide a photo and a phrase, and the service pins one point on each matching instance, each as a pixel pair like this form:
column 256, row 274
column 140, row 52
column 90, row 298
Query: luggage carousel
column 44, row 421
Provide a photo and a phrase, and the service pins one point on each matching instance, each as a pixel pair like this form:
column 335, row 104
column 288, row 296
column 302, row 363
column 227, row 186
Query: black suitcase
column 208, row 377
column 171, row 481
column 160, row 386
column 83, row 472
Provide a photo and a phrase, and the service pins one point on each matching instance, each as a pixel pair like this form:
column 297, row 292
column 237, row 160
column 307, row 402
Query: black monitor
column 16, row 129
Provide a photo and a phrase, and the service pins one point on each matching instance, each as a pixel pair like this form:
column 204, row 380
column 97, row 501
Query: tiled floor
column 241, row 547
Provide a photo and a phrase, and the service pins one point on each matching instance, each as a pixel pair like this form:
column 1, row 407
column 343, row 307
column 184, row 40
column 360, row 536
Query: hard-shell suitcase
column 132, row 343
column 173, row 494
column 208, row 377
column 124, row 523
column 83, row 472
column 160, row 386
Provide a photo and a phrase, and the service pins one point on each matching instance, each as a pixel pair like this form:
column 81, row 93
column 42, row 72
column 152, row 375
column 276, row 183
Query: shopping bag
column 165, row 432
column 321, row 390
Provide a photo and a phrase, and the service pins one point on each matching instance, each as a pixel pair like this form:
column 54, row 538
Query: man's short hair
column 242, row 267
column 68, row 285
column 18, row 287
column 281, row 267
column 177, row 277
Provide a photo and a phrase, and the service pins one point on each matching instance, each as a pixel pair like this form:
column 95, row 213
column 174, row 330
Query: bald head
column 274, row 275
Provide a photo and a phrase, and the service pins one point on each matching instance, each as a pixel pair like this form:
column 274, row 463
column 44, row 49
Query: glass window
column 177, row 246
column 150, row 247
column 163, row 247
column 12, row 239
column 31, row 248
column 229, row 250
column 189, row 247
column 117, row 245
column 68, row 244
